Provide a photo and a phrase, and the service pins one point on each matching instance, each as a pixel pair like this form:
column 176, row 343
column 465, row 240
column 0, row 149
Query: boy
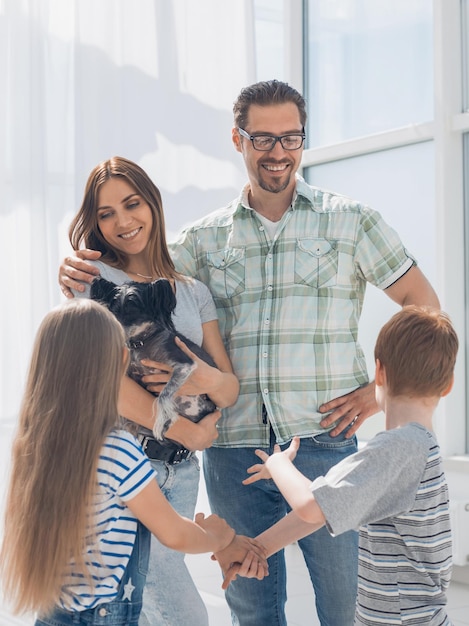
column 393, row 490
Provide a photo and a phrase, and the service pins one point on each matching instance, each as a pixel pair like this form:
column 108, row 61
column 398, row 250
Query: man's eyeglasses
column 264, row 143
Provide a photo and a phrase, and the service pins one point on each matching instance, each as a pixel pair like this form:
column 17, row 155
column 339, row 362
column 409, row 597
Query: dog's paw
column 159, row 429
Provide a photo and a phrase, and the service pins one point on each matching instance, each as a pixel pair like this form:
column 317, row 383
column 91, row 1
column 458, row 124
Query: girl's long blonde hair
column 84, row 229
column 69, row 406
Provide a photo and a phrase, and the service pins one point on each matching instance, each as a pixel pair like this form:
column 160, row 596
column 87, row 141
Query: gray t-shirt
column 194, row 303
column 394, row 491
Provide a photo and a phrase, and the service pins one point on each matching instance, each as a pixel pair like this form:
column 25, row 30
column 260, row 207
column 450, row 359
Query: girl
column 122, row 216
column 82, row 491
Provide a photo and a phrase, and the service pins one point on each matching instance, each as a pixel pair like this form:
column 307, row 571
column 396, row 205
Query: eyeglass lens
column 288, row 142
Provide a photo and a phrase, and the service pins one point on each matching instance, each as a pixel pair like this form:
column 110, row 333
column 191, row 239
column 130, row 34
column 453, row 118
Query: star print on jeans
column 128, row 590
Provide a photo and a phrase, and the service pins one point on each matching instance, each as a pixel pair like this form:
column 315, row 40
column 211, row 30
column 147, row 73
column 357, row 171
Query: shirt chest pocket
column 316, row 262
column 227, row 270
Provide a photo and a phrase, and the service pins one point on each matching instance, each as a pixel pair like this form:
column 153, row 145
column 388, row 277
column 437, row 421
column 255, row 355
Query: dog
column 144, row 310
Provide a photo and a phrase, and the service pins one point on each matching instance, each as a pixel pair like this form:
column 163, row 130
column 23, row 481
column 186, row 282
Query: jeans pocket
column 326, row 441
column 316, row 262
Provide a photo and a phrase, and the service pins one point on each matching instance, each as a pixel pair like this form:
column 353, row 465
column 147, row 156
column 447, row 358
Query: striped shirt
column 289, row 307
column 123, row 471
column 394, row 491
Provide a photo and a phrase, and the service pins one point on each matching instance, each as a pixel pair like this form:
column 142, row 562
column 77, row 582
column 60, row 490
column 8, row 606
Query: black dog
column 144, row 310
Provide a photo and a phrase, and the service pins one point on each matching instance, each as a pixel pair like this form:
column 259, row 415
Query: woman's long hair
column 84, row 229
column 69, row 406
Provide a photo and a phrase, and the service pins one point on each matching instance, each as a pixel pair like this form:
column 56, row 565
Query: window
column 387, row 87
column 368, row 67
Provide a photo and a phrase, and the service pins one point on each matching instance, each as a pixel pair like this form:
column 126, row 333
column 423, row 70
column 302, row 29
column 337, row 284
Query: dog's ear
column 161, row 299
column 102, row 290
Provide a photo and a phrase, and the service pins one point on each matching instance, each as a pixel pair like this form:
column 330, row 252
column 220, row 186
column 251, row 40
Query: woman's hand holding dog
column 243, row 557
column 204, row 378
column 195, row 436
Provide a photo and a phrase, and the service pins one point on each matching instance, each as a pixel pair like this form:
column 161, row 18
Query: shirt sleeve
column 123, row 465
column 380, row 254
column 378, row 482
column 182, row 253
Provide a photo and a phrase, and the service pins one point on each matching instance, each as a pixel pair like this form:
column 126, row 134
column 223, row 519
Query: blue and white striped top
column 123, row 471
column 394, row 491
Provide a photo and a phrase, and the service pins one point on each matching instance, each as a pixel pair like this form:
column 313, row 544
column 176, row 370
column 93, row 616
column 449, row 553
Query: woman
column 122, row 216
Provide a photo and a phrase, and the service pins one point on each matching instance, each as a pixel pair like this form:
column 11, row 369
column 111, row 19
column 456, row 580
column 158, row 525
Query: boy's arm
column 294, row 486
column 289, row 529
column 305, row 518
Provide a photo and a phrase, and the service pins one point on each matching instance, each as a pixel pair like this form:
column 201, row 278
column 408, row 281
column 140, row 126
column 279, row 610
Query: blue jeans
column 171, row 597
column 125, row 609
column 332, row 562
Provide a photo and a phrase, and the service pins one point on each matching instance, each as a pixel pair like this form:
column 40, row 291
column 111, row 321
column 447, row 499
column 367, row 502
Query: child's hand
column 261, row 472
column 243, row 557
column 215, row 526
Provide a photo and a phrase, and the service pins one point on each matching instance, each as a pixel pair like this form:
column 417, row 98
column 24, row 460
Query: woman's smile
column 124, row 217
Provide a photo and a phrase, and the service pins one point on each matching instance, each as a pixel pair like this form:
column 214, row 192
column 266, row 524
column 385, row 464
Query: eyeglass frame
column 276, row 138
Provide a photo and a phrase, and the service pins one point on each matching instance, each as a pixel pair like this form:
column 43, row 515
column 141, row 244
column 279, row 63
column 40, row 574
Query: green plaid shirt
column 289, row 307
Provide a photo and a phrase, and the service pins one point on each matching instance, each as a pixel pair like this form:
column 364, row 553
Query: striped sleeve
column 124, row 469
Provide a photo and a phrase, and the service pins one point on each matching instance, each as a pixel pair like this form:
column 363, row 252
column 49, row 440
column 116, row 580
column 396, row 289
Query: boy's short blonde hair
column 417, row 348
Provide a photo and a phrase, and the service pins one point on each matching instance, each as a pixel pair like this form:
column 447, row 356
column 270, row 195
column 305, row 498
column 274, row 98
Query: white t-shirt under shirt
column 394, row 492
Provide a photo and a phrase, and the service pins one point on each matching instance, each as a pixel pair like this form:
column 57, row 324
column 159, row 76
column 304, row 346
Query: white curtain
column 83, row 80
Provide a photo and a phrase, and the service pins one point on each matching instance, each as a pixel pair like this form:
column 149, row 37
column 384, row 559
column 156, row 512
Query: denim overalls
column 125, row 609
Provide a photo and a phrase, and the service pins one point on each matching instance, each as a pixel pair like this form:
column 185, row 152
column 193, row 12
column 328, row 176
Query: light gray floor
column 206, row 573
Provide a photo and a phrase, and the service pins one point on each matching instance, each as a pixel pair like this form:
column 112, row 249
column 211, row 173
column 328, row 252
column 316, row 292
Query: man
column 287, row 265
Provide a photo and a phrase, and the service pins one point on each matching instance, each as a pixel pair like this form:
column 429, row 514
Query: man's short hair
column 417, row 348
column 266, row 93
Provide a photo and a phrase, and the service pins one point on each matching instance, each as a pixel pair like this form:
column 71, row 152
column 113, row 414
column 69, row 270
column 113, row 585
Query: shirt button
column 261, row 228
column 266, row 391
column 270, row 288
column 102, row 612
column 265, row 355
column 267, row 322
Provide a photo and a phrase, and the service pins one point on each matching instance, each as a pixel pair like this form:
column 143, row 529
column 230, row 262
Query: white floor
column 206, row 573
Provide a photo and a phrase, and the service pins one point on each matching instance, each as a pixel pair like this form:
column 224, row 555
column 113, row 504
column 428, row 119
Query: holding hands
column 244, row 557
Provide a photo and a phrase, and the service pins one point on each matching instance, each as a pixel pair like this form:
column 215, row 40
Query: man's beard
column 275, row 186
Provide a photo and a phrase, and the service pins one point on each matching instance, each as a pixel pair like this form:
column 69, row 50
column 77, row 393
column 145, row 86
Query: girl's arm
column 174, row 531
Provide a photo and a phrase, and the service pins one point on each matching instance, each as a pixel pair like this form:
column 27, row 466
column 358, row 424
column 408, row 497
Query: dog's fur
column 144, row 310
